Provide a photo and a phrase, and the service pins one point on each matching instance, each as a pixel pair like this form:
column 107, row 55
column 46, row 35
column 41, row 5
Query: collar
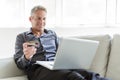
column 30, row 31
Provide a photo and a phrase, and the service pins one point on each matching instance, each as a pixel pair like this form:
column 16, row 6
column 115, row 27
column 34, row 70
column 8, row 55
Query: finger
column 29, row 50
column 25, row 45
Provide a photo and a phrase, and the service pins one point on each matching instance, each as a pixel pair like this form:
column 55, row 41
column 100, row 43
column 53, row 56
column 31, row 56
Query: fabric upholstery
column 100, row 61
column 113, row 71
column 8, row 68
column 16, row 78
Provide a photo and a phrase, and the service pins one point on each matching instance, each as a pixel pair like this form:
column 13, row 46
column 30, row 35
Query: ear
column 30, row 18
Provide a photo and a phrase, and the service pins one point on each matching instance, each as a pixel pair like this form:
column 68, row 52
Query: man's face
column 38, row 20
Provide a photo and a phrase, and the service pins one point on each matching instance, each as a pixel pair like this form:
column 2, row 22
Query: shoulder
column 50, row 31
column 22, row 33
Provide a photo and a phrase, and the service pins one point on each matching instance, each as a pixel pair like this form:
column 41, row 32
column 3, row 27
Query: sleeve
column 56, row 41
column 19, row 57
column 56, row 38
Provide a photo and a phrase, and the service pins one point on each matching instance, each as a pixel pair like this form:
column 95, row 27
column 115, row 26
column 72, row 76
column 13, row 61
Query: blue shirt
column 48, row 44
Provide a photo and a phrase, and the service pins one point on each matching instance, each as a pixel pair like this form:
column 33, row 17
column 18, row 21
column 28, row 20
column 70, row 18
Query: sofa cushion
column 113, row 71
column 100, row 61
column 8, row 68
column 16, row 78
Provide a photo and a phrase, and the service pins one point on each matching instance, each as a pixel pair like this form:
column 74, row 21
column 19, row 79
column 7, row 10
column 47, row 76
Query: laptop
column 72, row 53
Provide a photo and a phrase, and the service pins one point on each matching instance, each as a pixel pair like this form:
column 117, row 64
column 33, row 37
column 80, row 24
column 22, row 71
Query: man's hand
column 29, row 50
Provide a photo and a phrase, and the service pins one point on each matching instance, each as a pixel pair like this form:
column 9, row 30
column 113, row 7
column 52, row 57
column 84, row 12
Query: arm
column 19, row 57
column 56, row 41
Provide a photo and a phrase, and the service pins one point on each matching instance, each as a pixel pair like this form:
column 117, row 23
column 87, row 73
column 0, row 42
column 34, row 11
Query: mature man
column 41, row 44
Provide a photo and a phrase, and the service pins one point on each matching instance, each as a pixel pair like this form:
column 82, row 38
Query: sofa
column 106, row 61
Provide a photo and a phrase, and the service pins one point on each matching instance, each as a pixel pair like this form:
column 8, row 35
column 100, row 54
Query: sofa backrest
column 113, row 71
column 99, row 64
column 8, row 68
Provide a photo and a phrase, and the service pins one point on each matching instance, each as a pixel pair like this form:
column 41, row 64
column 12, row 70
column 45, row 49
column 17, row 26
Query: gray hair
column 36, row 8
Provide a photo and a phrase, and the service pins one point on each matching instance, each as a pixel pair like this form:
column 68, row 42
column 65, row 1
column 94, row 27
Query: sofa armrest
column 8, row 68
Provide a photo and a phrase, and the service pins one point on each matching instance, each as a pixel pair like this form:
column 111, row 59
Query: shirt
column 48, row 44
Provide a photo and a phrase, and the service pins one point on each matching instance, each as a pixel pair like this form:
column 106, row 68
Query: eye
column 44, row 18
column 39, row 18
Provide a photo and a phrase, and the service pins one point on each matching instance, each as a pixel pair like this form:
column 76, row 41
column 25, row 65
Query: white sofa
column 106, row 61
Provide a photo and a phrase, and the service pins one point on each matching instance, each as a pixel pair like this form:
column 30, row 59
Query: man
column 41, row 44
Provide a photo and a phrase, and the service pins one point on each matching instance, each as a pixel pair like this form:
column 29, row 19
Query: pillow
column 99, row 64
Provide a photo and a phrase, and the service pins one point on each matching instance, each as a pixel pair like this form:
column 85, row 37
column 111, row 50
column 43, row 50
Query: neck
column 37, row 32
